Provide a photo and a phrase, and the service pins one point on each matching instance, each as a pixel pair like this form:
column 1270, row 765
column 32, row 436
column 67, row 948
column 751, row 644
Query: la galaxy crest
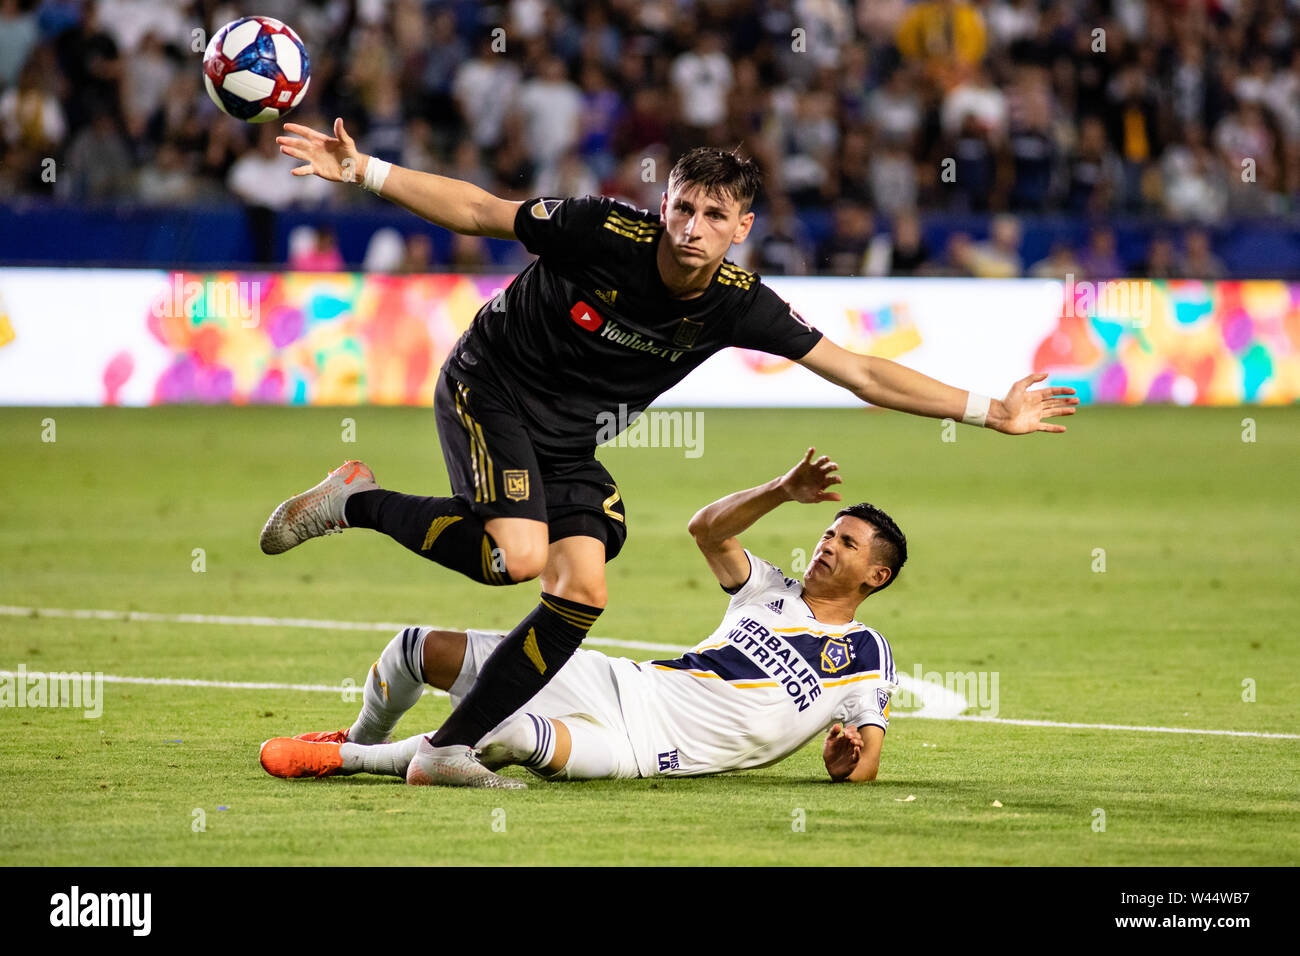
column 836, row 655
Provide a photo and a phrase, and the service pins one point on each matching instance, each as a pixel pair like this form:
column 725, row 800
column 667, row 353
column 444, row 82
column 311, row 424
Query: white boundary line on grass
column 937, row 702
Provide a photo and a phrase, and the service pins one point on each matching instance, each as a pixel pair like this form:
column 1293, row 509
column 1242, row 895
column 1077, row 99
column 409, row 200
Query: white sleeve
column 870, row 706
column 762, row 576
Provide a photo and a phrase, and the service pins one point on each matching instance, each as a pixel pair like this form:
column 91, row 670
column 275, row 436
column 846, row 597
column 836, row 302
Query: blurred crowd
column 882, row 111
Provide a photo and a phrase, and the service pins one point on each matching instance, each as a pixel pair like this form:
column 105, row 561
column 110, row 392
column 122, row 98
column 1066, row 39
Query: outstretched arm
column 890, row 385
column 716, row 526
column 853, row 754
column 451, row 203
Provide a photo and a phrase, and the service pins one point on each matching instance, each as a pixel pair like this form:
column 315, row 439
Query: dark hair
column 721, row 173
column 889, row 543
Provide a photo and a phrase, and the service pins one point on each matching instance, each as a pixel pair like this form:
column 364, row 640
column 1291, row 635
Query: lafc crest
column 687, row 332
column 516, row 483
column 836, row 655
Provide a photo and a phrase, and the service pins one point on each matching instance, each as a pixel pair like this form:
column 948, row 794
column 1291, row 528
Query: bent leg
column 494, row 528
column 538, row 646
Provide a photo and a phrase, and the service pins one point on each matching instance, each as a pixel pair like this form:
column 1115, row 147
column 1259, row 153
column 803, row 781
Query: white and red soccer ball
column 256, row 69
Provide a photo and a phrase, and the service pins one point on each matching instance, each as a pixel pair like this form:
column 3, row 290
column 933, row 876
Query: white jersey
column 768, row 680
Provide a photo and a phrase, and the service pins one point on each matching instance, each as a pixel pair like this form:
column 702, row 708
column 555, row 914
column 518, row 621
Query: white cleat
column 317, row 510
column 454, row 766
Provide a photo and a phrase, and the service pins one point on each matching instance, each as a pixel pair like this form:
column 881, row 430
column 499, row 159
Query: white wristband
column 376, row 173
column 977, row 409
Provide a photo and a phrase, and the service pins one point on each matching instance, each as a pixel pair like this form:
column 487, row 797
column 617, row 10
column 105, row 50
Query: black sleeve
column 561, row 228
column 772, row 325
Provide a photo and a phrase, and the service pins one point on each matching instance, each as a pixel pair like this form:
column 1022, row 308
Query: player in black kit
column 620, row 305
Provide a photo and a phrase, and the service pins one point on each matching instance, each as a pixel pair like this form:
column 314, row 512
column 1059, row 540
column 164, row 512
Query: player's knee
column 524, row 561
column 590, row 593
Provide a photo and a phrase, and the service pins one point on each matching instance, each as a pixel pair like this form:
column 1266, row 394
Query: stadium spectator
column 550, row 112
column 1096, row 175
column 484, row 88
column 701, row 78
column 999, row 256
column 442, row 57
column 843, row 252
column 782, row 246
column 601, row 107
column 147, row 74
column 1246, row 148
column 906, row 253
column 321, row 255
column 945, row 36
column 1199, row 261
column 98, row 164
column 32, row 125
column 166, row 180
column 894, row 186
column 417, row 254
column 973, row 167
column 894, row 109
column 1031, row 147
column 1060, row 263
column 18, row 35
column 867, row 105
column 89, row 58
column 977, row 99
column 955, row 261
column 1161, row 262
column 1195, row 185
column 1099, row 259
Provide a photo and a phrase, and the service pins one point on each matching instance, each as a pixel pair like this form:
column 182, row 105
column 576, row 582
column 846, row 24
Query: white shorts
column 585, row 689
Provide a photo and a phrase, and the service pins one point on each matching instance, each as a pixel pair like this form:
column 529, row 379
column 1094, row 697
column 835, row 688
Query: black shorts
column 492, row 463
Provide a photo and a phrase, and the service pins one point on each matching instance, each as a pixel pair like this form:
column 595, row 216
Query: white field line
column 937, row 702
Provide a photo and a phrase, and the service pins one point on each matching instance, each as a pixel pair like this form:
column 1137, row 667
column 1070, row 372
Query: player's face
column 701, row 228
column 842, row 560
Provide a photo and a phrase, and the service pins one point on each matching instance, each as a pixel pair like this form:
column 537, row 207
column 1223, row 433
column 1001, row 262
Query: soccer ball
column 256, row 69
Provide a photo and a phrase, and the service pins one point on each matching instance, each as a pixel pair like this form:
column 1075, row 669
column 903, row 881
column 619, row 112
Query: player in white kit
column 787, row 661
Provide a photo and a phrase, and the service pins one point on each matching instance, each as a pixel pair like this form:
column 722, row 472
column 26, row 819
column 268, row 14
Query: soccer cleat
column 454, row 766
column 317, row 510
column 290, row 757
column 325, row 736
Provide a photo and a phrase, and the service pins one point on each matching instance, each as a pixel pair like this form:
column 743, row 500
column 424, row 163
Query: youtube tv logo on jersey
column 586, row 316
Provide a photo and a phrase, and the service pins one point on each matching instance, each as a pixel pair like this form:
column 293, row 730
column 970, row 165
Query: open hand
column 334, row 158
column 1024, row 410
column 841, row 750
column 807, row 481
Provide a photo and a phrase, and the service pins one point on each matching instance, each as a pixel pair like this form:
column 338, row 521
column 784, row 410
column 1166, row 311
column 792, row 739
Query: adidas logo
column 775, row 606
column 607, row 295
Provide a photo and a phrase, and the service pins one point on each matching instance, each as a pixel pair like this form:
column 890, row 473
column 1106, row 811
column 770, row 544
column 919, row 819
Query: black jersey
column 590, row 326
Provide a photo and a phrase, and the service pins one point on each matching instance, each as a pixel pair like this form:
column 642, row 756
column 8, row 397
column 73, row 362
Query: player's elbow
column 698, row 526
column 862, row 378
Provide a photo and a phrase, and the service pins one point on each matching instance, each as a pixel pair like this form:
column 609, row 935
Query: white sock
column 393, row 686
column 525, row 739
column 388, row 760
column 592, row 755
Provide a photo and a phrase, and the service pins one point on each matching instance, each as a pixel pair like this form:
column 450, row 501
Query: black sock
column 519, row 667
column 445, row 530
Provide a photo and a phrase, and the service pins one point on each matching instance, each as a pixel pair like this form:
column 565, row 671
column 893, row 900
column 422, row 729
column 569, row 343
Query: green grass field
column 1200, row 537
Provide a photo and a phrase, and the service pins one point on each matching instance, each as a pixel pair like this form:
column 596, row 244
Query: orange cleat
column 290, row 757
column 325, row 736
